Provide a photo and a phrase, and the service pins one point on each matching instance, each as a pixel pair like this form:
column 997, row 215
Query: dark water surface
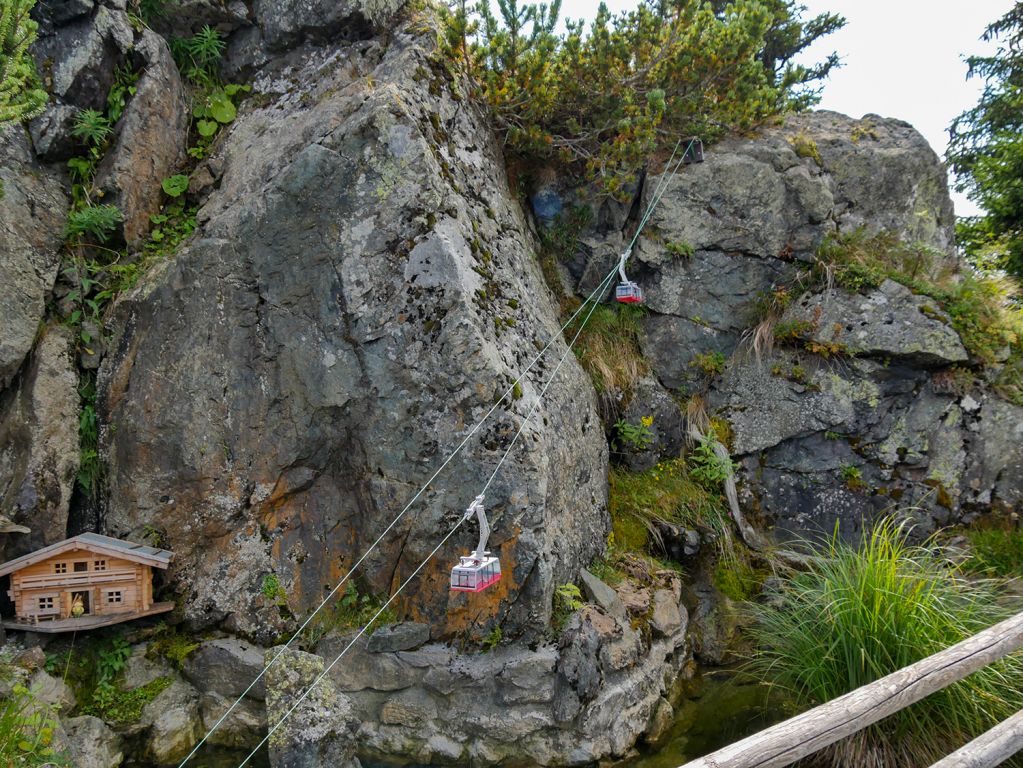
column 718, row 711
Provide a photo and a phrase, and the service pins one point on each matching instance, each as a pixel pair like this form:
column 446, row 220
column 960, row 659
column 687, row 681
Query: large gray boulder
column 79, row 61
column 91, row 743
column 889, row 321
column 361, row 292
column 755, row 211
column 33, row 209
column 39, row 453
column 151, row 138
column 227, row 666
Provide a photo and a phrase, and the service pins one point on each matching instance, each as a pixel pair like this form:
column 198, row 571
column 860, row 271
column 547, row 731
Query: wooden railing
column 82, row 578
column 804, row 734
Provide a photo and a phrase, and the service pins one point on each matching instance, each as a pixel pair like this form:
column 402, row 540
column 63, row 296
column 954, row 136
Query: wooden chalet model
column 83, row 582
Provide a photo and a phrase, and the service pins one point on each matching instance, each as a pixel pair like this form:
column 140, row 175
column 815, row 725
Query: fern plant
column 100, row 221
column 21, row 97
column 92, row 127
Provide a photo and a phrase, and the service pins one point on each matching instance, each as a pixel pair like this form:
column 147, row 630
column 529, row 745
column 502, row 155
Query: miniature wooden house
column 83, row 582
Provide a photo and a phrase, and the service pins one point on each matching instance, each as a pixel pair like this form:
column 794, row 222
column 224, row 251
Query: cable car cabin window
column 99, row 565
column 60, row 567
column 81, row 567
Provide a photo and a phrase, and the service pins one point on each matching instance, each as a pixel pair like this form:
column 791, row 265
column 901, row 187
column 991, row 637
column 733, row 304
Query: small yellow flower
column 646, row 421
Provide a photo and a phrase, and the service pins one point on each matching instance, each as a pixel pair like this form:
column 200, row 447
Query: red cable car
column 627, row 292
column 477, row 571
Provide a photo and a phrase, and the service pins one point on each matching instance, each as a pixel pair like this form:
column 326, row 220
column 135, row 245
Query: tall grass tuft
column 608, row 350
column 861, row 613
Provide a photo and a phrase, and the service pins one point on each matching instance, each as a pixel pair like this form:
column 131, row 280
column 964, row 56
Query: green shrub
column 860, row 613
column 601, row 98
column 26, row 732
column 21, row 96
column 706, row 466
column 567, row 600
column 92, row 127
column 996, row 552
column 710, row 363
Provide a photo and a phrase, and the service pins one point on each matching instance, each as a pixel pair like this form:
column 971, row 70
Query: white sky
column 901, row 58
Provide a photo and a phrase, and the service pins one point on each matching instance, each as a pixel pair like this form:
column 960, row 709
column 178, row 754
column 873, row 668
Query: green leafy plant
column 175, row 186
column 173, row 646
column 493, row 639
column 121, row 91
column 99, row 221
column 852, row 476
column 862, row 612
column 710, row 363
column 567, row 600
column 633, row 437
column 706, row 466
column 21, row 96
column 198, row 56
column 92, row 127
column 27, row 729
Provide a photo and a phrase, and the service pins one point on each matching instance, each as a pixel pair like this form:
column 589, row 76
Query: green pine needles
column 605, row 97
column 860, row 613
column 21, row 97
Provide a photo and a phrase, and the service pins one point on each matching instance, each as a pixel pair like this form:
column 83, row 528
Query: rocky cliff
column 362, row 286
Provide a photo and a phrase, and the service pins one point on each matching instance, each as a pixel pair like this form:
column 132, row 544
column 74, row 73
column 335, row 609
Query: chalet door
column 86, row 602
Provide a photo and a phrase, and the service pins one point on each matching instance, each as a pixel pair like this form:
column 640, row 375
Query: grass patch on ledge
column 981, row 307
column 666, row 493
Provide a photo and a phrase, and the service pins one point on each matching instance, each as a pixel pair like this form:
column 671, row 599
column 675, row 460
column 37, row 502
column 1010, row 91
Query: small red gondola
column 477, row 571
column 627, row 292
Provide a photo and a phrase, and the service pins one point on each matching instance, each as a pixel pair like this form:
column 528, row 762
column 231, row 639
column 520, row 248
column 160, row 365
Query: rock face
column 92, row 743
column 78, row 52
column 587, row 697
column 362, row 291
column 39, row 444
column 891, row 421
column 317, row 724
column 33, row 208
column 150, row 143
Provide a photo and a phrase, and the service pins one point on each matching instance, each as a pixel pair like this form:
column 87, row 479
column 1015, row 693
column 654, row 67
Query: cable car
column 478, row 570
column 627, row 292
column 694, row 152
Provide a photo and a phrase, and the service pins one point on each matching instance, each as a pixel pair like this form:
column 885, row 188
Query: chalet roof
column 93, row 542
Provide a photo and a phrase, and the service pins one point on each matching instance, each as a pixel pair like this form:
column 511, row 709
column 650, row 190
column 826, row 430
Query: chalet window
column 60, row 567
column 114, row 597
column 99, row 565
column 45, row 603
column 81, row 567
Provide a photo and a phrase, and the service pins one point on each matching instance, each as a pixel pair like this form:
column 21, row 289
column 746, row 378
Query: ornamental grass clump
column 860, row 613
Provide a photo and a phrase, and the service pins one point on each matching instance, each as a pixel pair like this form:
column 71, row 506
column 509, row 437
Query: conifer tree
column 986, row 150
column 21, row 98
